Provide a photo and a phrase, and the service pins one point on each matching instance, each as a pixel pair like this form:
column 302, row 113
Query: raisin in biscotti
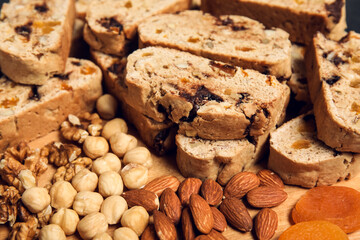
column 112, row 24
column 301, row 159
column 300, row 18
column 35, row 38
column 208, row 99
column 29, row 112
column 334, row 85
column 233, row 39
column 159, row 136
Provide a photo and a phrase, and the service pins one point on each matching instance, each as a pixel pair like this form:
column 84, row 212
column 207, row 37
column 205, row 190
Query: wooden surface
column 167, row 166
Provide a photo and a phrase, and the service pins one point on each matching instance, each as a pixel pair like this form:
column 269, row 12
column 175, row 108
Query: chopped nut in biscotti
column 68, row 171
column 9, row 196
column 60, row 153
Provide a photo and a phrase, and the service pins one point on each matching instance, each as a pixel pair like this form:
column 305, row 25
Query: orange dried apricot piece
column 339, row 205
column 319, row 230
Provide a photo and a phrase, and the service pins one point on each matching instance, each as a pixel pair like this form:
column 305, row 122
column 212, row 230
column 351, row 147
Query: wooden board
column 167, row 166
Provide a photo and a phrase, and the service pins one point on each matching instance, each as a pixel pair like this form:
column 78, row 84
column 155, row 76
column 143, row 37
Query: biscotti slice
column 81, row 8
column 300, row 18
column 160, row 136
column 35, row 38
column 208, row 99
column 333, row 70
column 29, row 112
column 301, row 159
column 236, row 40
column 112, row 24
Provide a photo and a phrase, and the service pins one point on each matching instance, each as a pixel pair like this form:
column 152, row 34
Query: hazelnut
column 108, row 162
column 67, row 219
column 91, row 225
column 27, row 179
column 102, row 236
column 52, row 231
column 134, row 176
column 87, row 202
column 113, row 208
column 110, row 183
column 62, row 194
column 36, row 199
column 114, row 126
column 139, row 155
column 125, row 233
column 95, row 147
column 136, row 218
column 106, row 106
column 121, row 143
column 85, row 180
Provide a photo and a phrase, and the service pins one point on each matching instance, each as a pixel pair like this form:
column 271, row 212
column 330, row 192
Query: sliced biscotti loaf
column 112, row 24
column 301, row 159
column 208, row 99
column 232, row 39
column 300, row 18
column 35, row 38
column 28, row 112
column 333, row 70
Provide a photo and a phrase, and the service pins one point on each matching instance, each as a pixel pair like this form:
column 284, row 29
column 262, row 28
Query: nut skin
column 121, row 143
column 113, row 208
column 202, row 214
column 67, row 219
column 52, row 231
column 106, row 106
column 92, row 224
column 265, row 224
column 125, row 233
column 236, row 214
column 188, row 187
column 134, row 175
column 87, row 202
column 220, row 223
column 85, row 180
column 187, row 225
column 139, row 155
column 135, row 218
column 108, row 162
column 113, row 126
column 141, row 197
column 110, row 183
column 95, row 147
column 62, row 194
column 36, row 199
column 149, row 233
column 269, row 178
column 240, row 184
column 158, row 185
column 265, row 196
column 170, row 205
column 211, row 192
column 164, row 228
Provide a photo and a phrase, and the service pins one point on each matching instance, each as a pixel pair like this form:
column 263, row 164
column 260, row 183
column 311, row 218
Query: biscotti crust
column 301, row 19
column 29, row 112
column 35, row 44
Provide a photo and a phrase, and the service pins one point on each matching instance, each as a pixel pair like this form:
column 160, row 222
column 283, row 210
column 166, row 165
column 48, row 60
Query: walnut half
column 9, row 196
column 68, row 171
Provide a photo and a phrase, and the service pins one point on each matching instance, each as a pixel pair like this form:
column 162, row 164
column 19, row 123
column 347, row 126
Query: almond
column 266, row 223
column 240, row 184
column 236, row 214
column 187, row 225
column 211, row 192
column 220, row 223
column 202, row 214
column 164, row 228
column 188, row 187
column 149, row 233
column 265, row 196
column 141, row 197
column 269, row 178
column 215, row 235
column 202, row 237
column 170, row 205
column 158, row 185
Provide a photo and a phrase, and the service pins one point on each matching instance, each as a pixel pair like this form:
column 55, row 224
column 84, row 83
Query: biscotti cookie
column 112, row 24
column 300, row 18
column 208, row 99
column 29, row 112
column 81, row 8
column 301, row 159
column 334, row 85
column 236, row 40
column 35, row 38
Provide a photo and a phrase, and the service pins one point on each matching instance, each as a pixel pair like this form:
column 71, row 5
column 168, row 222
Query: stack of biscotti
column 237, row 40
column 35, row 38
column 301, row 19
column 111, row 25
column 29, row 112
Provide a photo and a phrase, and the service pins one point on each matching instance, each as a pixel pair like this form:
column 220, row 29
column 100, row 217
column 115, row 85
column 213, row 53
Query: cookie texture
column 236, row 40
column 35, row 38
column 301, row 159
column 334, row 85
column 29, row 112
column 112, row 25
column 300, row 18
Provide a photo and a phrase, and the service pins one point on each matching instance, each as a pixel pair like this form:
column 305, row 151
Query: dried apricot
column 339, row 205
column 319, row 230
